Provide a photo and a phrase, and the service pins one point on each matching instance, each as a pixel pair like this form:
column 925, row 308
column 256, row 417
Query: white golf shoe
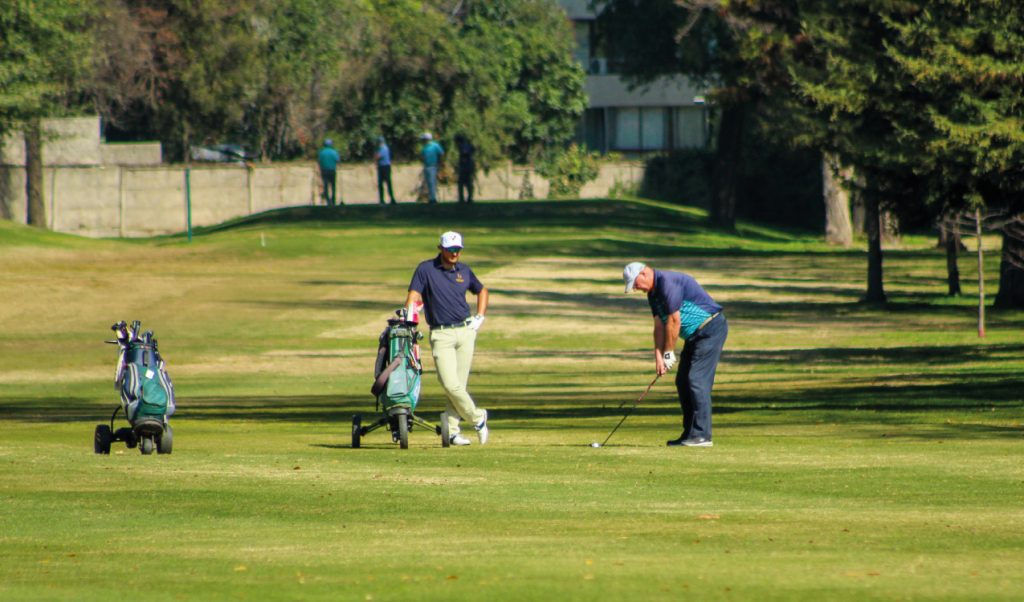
column 458, row 440
column 481, row 429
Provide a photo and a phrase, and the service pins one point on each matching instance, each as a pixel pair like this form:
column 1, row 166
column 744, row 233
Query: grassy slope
column 862, row 452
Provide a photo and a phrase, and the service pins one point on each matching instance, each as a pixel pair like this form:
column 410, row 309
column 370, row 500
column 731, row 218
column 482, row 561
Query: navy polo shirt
column 674, row 291
column 444, row 291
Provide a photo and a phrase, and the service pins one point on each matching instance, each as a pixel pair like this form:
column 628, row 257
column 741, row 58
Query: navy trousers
column 696, row 376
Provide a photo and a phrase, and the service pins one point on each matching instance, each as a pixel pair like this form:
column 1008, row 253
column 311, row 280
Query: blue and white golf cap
column 451, row 239
column 629, row 274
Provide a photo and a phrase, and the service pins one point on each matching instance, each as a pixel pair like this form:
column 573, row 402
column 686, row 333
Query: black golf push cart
column 147, row 395
column 397, row 384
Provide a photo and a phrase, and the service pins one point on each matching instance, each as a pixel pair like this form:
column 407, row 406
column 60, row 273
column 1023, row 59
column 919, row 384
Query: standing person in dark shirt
column 682, row 308
column 441, row 284
column 383, row 157
column 467, row 168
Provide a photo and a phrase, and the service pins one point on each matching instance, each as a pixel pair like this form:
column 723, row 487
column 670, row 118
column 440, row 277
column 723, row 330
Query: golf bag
column 146, row 389
column 398, row 370
column 147, row 394
column 396, row 385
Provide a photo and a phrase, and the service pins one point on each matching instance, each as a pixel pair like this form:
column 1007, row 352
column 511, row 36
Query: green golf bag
column 147, row 395
column 398, row 369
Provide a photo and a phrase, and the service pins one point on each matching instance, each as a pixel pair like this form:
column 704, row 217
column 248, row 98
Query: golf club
column 628, row 412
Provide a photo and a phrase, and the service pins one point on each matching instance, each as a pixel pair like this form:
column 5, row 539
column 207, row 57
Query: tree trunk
column 727, row 162
column 36, row 208
column 838, row 224
column 873, row 226
column 857, row 209
column 1011, row 267
column 951, row 239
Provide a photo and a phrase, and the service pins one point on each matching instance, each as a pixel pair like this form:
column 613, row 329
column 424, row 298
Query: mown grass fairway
column 860, row 452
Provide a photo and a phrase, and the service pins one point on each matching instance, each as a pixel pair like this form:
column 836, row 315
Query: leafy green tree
column 42, row 63
column 306, row 47
column 193, row 70
column 499, row 72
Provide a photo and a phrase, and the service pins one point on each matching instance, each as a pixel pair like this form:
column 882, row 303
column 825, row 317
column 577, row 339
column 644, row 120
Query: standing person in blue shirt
column 328, row 159
column 441, row 284
column 467, row 168
column 383, row 157
column 432, row 155
column 682, row 308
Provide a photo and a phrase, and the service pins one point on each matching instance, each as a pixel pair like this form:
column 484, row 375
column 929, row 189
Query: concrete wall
column 131, row 153
column 76, row 141
column 129, row 201
column 66, row 141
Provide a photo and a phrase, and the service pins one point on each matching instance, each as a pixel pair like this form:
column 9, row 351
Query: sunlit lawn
column 861, row 452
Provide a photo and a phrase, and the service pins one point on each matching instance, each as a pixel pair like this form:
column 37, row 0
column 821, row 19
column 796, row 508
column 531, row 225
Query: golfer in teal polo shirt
column 683, row 309
column 441, row 285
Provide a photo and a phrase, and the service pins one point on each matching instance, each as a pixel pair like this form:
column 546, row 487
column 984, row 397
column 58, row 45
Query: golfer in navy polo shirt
column 441, row 284
column 682, row 308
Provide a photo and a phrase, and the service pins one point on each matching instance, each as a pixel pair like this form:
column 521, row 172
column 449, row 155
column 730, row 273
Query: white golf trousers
column 452, row 349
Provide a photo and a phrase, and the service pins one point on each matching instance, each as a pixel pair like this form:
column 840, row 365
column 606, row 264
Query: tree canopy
column 280, row 75
column 42, row 64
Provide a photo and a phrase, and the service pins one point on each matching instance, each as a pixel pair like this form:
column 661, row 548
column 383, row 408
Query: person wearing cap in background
column 432, row 154
column 383, row 157
column 328, row 159
column 682, row 308
column 441, row 284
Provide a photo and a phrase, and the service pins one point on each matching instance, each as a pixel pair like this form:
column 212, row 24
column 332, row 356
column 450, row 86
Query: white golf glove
column 476, row 322
column 670, row 360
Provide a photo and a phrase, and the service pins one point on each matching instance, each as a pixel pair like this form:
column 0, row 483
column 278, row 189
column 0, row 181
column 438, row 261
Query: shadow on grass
column 867, row 405
column 848, row 356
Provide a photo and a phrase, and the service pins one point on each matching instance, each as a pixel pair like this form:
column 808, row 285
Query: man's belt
column 706, row 322
column 455, row 325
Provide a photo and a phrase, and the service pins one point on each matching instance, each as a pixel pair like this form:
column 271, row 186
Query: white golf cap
column 451, row 239
column 630, row 273
column 426, row 136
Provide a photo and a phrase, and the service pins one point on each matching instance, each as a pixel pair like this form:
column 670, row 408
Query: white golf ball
column 595, row 444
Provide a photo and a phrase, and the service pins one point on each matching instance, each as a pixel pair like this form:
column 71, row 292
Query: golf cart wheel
column 101, row 439
column 165, row 444
column 446, row 438
column 403, row 431
column 357, row 430
column 146, row 445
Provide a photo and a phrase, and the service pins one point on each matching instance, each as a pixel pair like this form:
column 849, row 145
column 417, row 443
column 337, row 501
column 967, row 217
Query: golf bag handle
column 382, row 379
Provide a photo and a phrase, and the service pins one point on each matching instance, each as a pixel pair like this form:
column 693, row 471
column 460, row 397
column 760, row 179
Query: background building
column 665, row 115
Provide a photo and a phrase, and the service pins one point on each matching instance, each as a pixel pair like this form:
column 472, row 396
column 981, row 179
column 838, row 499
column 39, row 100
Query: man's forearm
column 659, row 335
column 671, row 333
column 481, row 302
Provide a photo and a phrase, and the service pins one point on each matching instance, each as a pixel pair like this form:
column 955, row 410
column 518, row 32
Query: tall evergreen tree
column 966, row 57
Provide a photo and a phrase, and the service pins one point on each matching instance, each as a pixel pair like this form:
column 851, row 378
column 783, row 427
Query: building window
column 581, row 30
column 627, row 129
column 639, row 129
column 690, row 127
column 652, row 129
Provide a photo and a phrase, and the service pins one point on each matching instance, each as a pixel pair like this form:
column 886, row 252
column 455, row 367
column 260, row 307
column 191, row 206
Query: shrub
column 568, row 170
